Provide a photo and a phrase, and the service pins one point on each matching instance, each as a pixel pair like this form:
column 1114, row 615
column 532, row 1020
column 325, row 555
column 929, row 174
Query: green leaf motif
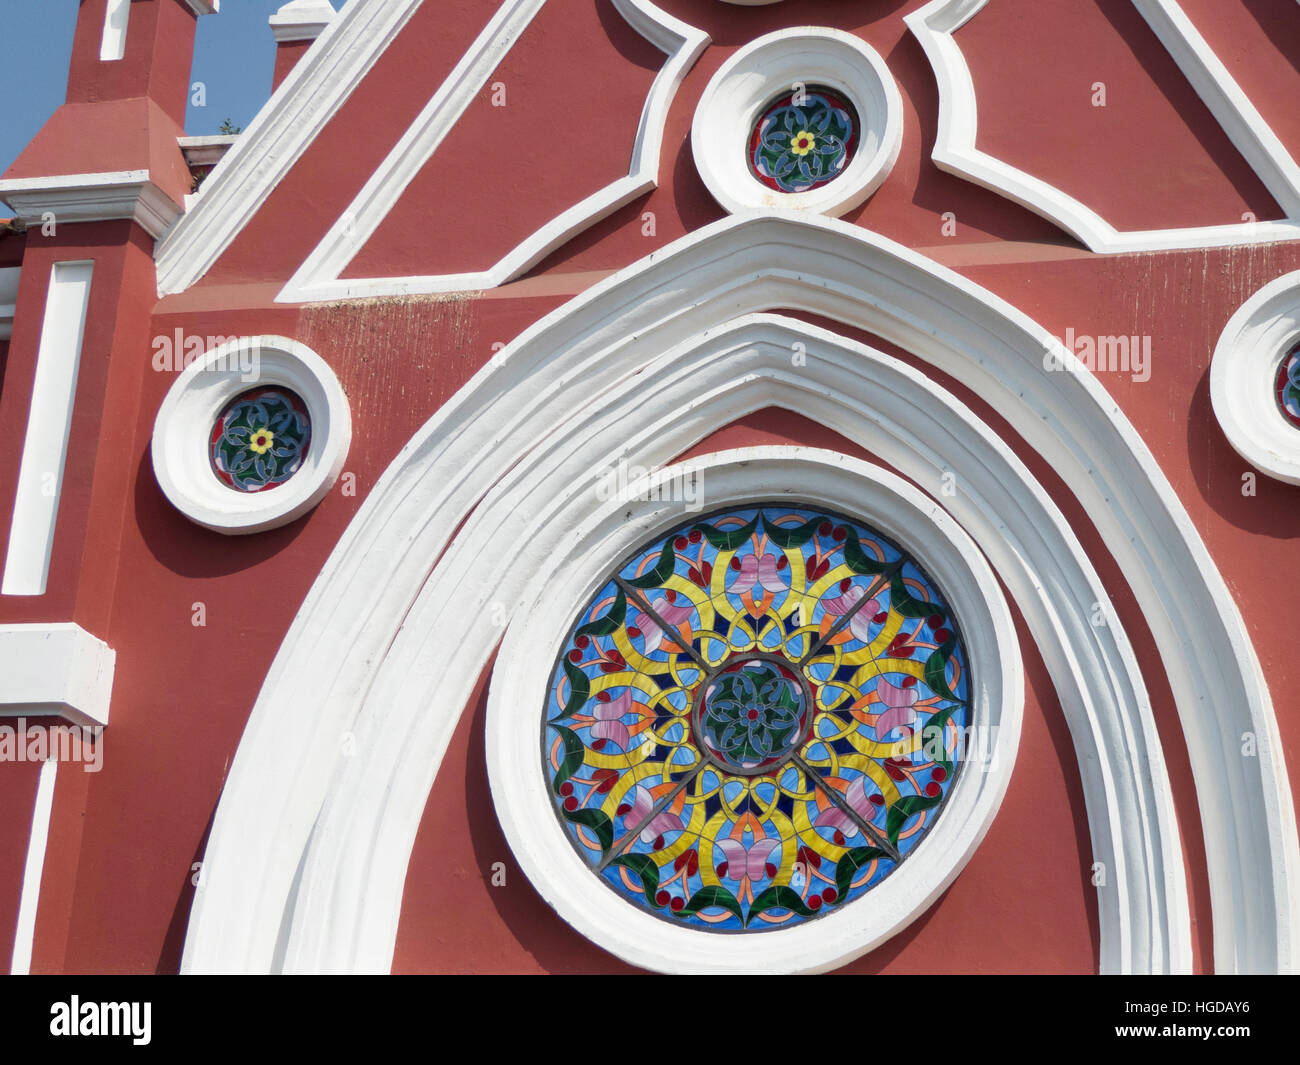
column 906, row 807
column 936, row 670
column 574, row 751
column 779, row 897
column 643, row 867
column 610, row 622
column 932, row 737
column 730, row 539
column 860, row 562
column 712, row 896
column 905, row 603
column 579, row 691
column 848, row 867
column 662, row 571
column 787, row 537
column 596, row 820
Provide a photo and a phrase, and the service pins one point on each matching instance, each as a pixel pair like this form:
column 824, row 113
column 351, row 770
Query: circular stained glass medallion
column 260, row 439
column 1287, row 387
column 756, row 718
column 803, row 140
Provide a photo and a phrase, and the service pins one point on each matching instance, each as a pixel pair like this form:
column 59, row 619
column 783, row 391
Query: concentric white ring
column 524, row 666
column 775, row 64
column 1243, row 377
column 184, row 424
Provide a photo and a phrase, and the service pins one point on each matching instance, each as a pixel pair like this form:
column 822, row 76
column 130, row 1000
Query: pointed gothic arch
column 307, row 857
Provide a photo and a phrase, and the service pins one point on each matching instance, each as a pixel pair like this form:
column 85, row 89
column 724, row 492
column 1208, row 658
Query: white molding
column 1243, row 374
column 301, row 20
column 204, row 7
column 55, row 669
column 117, row 17
column 33, row 870
column 1250, row 134
column 9, row 278
column 320, row 276
column 748, row 81
column 35, row 516
column 955, row 150
column 594, row 547
column 320, row 82
column 92, row 198
column 180, row 447
column 326, row 843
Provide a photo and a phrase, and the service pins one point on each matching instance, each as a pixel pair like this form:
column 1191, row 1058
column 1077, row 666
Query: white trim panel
column 117, row 16
column 9, row 278
column 57, row 669
column 33, row 870
column 49, row 422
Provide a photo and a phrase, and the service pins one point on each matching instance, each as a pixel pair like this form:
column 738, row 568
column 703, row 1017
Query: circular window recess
column 1255, row 380
column 708, row 734
column 803, row 119
column 252, row 435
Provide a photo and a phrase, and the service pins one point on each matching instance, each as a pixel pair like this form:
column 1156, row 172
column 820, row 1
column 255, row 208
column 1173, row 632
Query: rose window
column 260, row 439
column 803, row 140
column 757, row 718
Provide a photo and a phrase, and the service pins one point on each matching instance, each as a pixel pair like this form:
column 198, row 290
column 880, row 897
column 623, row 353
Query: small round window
column 756, row 719
column 260, row 439
column 803, row 140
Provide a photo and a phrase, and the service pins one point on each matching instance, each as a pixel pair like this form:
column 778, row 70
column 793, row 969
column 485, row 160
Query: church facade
column 685, row 486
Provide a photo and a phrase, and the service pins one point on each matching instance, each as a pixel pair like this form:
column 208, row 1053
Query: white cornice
column 204, row 7
column 326, row 840
column 301, row 20
column 955, row 150
column 55, row 669
column 92, row 198
column 320, row 276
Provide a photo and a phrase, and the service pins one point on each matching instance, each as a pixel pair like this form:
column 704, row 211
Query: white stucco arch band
column 306, row 861
column 527, row 658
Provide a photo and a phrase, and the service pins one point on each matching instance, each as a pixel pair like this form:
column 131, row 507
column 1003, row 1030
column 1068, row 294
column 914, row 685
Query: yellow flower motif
column 802, row 142
column 261, row 440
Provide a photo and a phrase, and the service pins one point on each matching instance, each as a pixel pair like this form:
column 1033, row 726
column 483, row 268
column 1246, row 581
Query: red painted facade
column 117, row 882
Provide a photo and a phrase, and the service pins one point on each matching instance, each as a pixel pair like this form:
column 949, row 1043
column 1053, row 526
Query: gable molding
column 320, row 277
column 955, row 150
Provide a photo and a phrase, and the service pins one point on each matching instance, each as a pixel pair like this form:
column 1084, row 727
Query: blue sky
column 233, row 57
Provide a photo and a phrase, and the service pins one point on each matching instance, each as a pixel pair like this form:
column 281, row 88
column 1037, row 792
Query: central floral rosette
column 752, row 714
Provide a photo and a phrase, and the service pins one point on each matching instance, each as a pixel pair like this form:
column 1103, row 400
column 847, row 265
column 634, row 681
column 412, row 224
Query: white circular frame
column 196, row 398
column 762, row 70
column 527, row 658
column 1243, row 376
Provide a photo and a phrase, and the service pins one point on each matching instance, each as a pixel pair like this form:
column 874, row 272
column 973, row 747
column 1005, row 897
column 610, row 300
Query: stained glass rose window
column 260, row 439
column 803, row 140
column 756, row 719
